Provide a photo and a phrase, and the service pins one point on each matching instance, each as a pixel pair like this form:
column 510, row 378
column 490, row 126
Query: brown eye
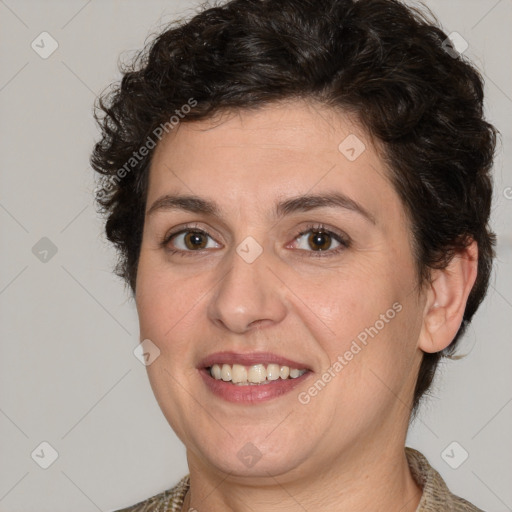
column 319, row 240
column 195, row 240
column 188, row 240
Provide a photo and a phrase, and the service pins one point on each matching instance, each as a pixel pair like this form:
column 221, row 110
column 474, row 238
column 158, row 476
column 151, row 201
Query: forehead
column 247, row 159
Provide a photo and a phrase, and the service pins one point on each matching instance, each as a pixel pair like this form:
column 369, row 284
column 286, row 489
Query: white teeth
column 255, row 374
column 226, row 372
column 216, row 372
column 284, row 371
column 272, row 372
column 238, row 373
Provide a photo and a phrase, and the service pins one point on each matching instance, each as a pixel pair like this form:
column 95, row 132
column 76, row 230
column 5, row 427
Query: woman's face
column 244, row 287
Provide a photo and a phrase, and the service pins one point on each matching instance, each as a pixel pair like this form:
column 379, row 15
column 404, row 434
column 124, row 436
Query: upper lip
column 249, row 359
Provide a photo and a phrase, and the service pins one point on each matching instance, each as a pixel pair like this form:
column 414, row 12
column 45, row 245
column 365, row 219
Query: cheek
column 161, row 298
column 380, row 358
column 372, row 324
column 353, row 303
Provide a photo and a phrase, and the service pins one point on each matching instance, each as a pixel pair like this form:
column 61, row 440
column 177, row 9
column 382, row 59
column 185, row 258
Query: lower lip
column 250, row 393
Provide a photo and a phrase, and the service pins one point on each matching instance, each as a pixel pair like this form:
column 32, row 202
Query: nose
column 248, row 296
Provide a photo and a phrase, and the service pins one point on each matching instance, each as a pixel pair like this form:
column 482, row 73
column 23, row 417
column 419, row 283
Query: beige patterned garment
column 436, row 496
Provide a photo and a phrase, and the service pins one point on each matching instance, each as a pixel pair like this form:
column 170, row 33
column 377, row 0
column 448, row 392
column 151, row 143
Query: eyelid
column 321, row 227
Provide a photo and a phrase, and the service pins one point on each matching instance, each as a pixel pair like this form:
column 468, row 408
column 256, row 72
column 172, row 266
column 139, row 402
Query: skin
column 344, row 450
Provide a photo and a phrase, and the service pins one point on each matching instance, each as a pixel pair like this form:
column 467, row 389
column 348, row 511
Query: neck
column 361, row 482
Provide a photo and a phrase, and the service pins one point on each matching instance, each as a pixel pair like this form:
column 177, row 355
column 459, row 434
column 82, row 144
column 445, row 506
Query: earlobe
column 446, row 298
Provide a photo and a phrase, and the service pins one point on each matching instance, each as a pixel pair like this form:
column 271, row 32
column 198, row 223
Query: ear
column 446, row 298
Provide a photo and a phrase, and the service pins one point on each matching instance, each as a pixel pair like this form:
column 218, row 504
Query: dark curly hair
column 389, row 64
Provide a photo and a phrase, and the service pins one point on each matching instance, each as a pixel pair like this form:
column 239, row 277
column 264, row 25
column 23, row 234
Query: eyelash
column 343, row 239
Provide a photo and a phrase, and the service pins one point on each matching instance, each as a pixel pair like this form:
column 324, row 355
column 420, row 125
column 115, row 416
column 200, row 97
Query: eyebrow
column 196, row 204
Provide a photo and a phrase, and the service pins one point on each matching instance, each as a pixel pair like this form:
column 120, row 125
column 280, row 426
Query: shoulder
column 171, row 498
column 436, row 495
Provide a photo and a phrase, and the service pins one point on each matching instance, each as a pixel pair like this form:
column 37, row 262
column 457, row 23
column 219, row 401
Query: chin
column 253, row 459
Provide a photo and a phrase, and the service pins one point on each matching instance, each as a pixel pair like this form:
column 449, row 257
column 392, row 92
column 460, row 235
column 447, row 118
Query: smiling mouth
column 257, row 374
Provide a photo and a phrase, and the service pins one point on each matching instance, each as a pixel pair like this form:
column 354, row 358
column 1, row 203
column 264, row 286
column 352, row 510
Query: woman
column 300, row 196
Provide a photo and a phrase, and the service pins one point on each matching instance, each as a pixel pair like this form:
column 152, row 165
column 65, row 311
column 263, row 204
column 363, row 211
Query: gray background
column 68, row 326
